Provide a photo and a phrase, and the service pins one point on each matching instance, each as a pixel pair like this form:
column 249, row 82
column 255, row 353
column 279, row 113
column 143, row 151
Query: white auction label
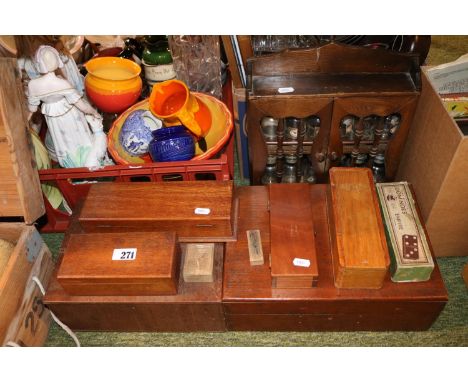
column 202, row 211
column 301, row 262
column 286, row 90
column 124, row 254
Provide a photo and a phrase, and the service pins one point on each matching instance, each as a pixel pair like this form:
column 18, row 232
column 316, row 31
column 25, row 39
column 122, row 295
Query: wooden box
column 20, row 188
column 410, row 252
column 292, row 254
column 195, row 210
column 434, row 162
column 195, row 307
column 359, row 248
column 250, row 302
column 24, row 320
column 198, row 262
column 114, row 264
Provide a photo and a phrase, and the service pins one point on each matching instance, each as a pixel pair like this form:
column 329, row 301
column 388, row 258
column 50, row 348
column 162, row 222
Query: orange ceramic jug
column 172, row 102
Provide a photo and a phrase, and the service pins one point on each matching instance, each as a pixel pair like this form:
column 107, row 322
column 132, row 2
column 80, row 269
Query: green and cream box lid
column 409, row 250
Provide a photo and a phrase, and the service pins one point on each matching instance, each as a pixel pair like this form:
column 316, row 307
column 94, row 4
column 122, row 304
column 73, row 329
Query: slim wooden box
column 359, row 248
column 195, row 210
column 293, row 255
column 110, row 264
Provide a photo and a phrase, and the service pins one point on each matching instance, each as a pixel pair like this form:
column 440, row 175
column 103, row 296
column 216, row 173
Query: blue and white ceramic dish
column 135, row 134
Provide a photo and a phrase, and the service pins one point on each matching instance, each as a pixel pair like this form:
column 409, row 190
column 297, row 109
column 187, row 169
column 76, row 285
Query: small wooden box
column 195, row 210
column 359, row 248
column 198, row 262
column 110, row 264
column 293, row 253
column 410, row 253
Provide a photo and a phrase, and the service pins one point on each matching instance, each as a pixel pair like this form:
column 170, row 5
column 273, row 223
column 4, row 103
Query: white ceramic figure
column 69, row 69
column 65, row 112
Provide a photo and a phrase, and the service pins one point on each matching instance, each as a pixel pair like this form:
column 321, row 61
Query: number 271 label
column 124, row 254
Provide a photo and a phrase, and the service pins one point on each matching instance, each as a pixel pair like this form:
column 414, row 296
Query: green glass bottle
column 157, row 59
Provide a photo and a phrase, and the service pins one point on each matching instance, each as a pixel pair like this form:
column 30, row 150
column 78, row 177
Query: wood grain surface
column 292, row 236
column 89, row 267
column 250, row 303
column 24, row 319
column 242, row 298
column 196, row 307
column 168, row 206
column 20, row 188
column 359, row 247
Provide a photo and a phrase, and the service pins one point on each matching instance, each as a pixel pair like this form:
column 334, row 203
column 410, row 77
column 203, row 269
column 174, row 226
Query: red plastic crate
column 74, row 183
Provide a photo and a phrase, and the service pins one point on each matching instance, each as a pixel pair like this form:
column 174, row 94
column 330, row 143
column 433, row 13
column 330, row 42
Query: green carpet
column 450, row 329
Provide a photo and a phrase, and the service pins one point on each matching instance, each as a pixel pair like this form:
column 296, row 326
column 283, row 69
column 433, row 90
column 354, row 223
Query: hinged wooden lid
column 20, row 188
column 119, row 258
column 293, row 252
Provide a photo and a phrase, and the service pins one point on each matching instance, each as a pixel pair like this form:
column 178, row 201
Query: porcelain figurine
column 76, row 142
column 26, row 50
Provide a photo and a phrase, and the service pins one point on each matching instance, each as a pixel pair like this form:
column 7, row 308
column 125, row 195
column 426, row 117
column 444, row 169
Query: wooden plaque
column 359, row 248
column 112, row 264
column 195, row 210
column 293, row 253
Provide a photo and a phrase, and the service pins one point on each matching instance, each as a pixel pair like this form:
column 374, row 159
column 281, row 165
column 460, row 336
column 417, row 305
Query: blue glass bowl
column 171, row 144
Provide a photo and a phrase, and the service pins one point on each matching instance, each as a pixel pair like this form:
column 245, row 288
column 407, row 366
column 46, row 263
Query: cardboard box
column 410, row 253
column 435, row 162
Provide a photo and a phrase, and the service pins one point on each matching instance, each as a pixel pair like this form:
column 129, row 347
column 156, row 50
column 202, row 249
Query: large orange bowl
column 113, row 84
column 218, row 135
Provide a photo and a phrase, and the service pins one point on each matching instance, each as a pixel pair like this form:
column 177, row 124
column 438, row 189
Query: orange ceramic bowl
column 218, row 134
column 113, row 84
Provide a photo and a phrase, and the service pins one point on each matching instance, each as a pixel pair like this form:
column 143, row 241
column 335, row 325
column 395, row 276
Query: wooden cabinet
column 336, row 105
